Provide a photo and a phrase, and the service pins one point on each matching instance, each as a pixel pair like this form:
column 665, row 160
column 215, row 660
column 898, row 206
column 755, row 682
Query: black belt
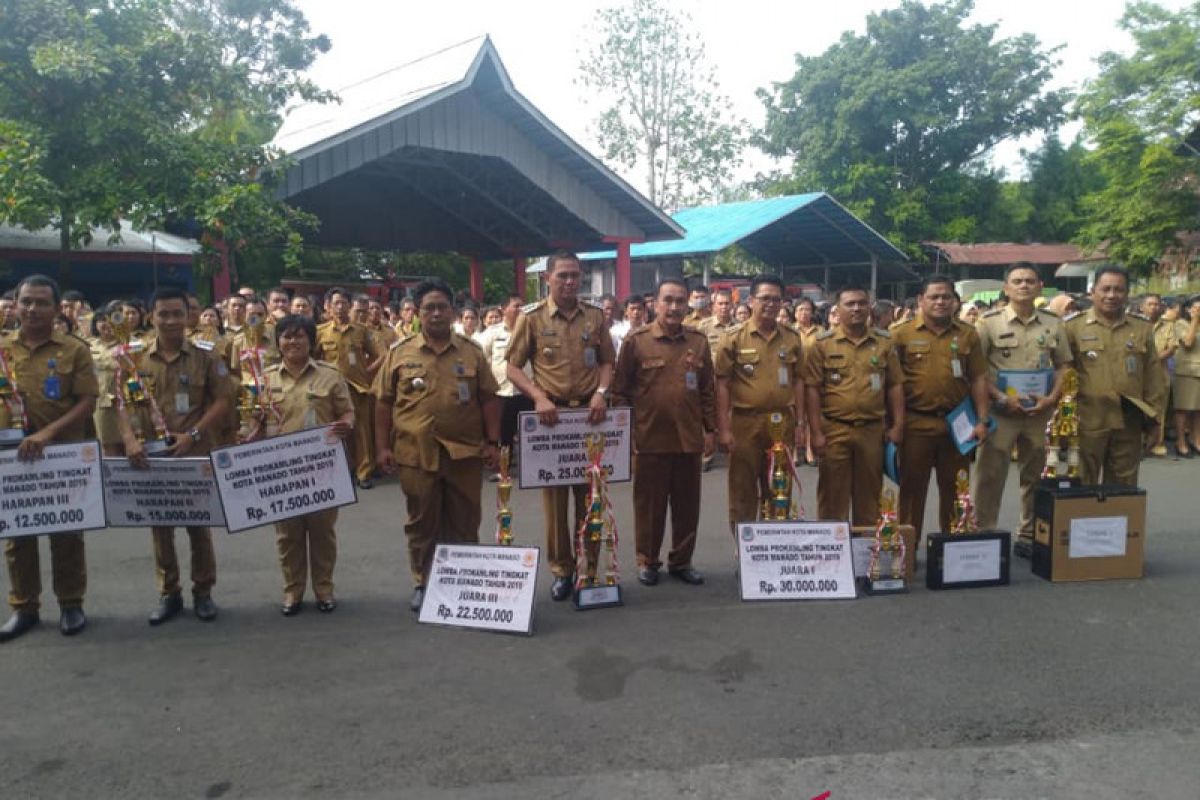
column 940, row 414
column 784, row 410
column 566, row 403
column 856, row 423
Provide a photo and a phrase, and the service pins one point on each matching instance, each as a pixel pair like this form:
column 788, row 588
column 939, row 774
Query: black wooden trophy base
column 601, row 596
column 935, row 559
column 884, row 584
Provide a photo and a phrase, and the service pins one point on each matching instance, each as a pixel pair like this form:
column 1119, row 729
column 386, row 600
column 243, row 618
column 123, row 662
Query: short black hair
column 837, row 297
column 771, row 280
column 334, row 291
column 98, row 316
column 278, row 290
column 39, row 280
column 361, row 297
column 699, row 287
column 1011, row 268
column 1111, row 269
column 520, row 300
column 432, row 285
column 168, row 293
column 73, row 295
column 935, row 280
column 557, row 256
column 668, row 282
column 294, row 322
column 606, row 297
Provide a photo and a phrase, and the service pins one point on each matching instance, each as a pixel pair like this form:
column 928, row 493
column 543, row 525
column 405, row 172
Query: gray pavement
column 1028, row 691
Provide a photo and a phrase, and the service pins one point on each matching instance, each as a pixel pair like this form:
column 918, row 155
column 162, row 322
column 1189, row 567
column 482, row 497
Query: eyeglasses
column 768, row 299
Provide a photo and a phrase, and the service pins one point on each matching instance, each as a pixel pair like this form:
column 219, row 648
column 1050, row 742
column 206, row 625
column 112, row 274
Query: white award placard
column 965, row 562
column 482, row 586
column 63, row 491
column 173, row 491
column 796, row 560
column 556, row 455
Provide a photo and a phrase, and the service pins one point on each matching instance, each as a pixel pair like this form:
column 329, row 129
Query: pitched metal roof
column 131, row 241
column 442, row 153
column 1005, row 253
column 795, row 230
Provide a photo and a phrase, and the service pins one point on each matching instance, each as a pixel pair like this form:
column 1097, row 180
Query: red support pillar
column 519, row 265
column 476, row 279
column 624, row 282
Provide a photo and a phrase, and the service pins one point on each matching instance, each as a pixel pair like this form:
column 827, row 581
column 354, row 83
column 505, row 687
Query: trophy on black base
column 258, row 413
column 886, row 572
column 597, row 537
column 135, row 394
column 12, row 405
column 784, row 482
column 965, row 557
column 504, row 487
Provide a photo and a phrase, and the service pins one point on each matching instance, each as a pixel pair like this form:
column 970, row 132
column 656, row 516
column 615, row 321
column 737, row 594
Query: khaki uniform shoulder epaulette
column 735, row 327
column 642, row 331
column 529, row 308
column 882, row 333
column 902, row 323
column 469, row 341
column 992, row 312
column 1139, row 315
column 1047, row 312
column 590, row 304
column 1070, row 317
column 327, row 365
column 824, row 335
column 789, row 326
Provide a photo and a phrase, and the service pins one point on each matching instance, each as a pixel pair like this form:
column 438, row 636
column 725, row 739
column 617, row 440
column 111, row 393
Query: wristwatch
column 602, row 391
column 195, row 434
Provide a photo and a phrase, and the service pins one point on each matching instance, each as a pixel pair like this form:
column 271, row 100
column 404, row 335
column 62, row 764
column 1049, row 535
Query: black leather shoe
column 688, row 575
column 417, row 600
column 648, row 576
column 290, row 609
column 326, row 606
column 71, row 621
column 561, row 588
column 205, row 608
column 21, row 622
column 1023, row 548
column 367, row 484
column 168, row 607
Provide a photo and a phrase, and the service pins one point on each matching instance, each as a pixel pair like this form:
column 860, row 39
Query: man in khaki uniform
column 758, row 368
column 665, row 373
column 1018, row 337
column 1165, row 343
column 714, row 327
column 350, row 347
column 192, row 389
column 942, row 364
column 436, row 413
column 494, row 341
column 698, row 302
column 854, row 382
column 1121, row 382
column 571, row 355
column 55, row 378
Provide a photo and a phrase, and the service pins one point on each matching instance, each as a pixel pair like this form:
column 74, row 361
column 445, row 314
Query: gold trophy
column 12, row 405
column 779, row 505
column 597, row 536
column 888, row 548
column 135, row 395
column 504, row 487
column 964, row 520
column 1063, row 428
column 257, row 412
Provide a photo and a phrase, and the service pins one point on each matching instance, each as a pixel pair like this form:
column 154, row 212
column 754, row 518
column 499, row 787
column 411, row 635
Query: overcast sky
column 752, row 43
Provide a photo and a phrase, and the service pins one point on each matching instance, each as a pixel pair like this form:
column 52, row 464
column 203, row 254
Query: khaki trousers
column 561, row 525
column 304, row 541
column 362, row 451
column 924, row 450
column 749, row 482
column 1028, row 435
column 661, row 480
column 68, row 566
column 851, row 471
column 1111, row 457
column 443, row 507
column 166, row 563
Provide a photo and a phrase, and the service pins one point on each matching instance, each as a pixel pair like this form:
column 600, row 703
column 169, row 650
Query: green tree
column 156, row 111
column 1059, row 180
column 1138, row 112
column 898, row 121
column 665, row 115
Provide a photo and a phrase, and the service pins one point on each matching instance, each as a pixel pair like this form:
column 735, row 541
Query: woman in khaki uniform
column 309, row 394
column 105, row 416
column 1186, row 388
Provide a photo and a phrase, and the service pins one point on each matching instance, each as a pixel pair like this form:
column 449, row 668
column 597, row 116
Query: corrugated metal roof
column 1005, row 253
column 795, row 230
column 145, row 242
column 370, row 98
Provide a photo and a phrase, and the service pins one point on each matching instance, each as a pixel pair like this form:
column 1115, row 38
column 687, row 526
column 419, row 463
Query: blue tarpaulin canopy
column 804, row 232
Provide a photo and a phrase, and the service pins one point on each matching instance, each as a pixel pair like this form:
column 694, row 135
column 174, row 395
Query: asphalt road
column 1028, row 691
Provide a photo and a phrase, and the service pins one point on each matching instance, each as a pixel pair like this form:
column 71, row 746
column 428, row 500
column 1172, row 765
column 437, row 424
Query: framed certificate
column 1025, row 383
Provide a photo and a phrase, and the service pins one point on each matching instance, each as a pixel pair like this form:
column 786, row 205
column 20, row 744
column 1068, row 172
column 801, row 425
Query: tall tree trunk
column 64, row 253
